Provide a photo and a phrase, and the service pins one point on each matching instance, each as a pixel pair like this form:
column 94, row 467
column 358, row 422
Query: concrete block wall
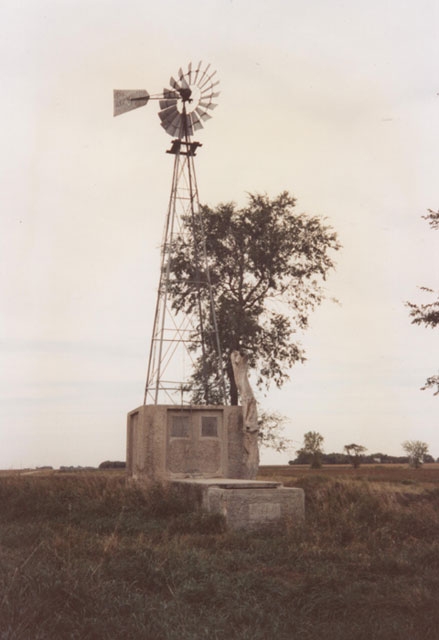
column 166, row 442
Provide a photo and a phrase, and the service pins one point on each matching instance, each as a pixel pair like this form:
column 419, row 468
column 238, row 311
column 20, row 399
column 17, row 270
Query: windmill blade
column 174, row 127
column 210, row 95
column 203, row 75
column 196, row 122
column 166, row 115
column 168, row 93
column 171, row 120
column 189, row 72
column 207, row 95
column 170, row 102
column 170, row 128
column 203, row 115
column 127, row 100
column 167, row 127
column 207, row 105
column 208, row 86
column 213, row 94
column 176, row 121
column 196, row 72
column 184, row 84
column 174, row 130
column 204, row 83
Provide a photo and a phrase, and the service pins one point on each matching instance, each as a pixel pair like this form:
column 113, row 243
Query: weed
column 88, row 557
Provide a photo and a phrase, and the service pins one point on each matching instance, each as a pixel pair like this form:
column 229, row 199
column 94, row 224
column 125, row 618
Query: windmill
column 177, row 338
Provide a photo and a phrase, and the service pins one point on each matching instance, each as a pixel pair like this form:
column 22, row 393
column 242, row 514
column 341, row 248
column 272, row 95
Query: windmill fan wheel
column 186, row 105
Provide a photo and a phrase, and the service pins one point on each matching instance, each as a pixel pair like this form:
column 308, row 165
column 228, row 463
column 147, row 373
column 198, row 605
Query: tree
column 354, row 451
column 271, row 425
column 416, row 451
column 433, row 218
column 267, row 265
column 312, row 449
column 427, row 314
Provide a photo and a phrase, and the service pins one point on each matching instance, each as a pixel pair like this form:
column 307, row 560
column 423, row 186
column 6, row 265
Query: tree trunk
column 233, row 387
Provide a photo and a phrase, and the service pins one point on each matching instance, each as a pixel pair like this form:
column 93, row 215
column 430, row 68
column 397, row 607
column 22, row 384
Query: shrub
column 109, row 464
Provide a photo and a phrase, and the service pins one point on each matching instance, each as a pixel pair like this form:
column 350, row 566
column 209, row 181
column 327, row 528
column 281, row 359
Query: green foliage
column 312, row 449
column 271, row 425
column 432, row 218
column 267, row 266
column 354, row 453
column 335, row 458
column 416, row 451
column 427, row 314
column 112, row 464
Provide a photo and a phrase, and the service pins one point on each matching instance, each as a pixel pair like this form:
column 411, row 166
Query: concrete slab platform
column 248, row 505
column 231, row 483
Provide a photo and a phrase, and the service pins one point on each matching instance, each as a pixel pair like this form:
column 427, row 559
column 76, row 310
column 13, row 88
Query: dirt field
column 428, row 474
column 384, row 472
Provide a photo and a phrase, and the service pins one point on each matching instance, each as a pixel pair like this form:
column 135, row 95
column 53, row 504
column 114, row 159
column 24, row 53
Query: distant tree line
column 312, row 453
column 343, row 458
column 112, row 464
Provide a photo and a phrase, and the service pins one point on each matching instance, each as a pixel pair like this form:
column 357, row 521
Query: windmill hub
column 186, row 94
column 189, row 100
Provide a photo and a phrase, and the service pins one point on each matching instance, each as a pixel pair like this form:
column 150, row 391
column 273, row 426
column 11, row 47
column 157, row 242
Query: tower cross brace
column 181, row 341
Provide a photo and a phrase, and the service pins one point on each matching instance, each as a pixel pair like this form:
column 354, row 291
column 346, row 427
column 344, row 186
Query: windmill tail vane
column 184, row 107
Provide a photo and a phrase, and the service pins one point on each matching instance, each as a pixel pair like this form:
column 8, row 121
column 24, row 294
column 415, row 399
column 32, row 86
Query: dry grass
column 428, row 474
column 84, row 556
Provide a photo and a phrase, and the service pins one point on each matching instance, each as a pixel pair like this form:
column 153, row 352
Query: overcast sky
column 333, row 101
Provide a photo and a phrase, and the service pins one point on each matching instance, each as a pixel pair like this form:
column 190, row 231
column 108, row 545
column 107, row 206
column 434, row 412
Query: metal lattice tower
column 179, row 339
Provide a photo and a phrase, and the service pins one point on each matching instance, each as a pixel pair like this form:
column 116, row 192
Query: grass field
column 83, row 556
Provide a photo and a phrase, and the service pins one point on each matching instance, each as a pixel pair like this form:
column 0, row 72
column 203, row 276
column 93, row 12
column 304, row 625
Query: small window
column 209, row 426
column 180, row 427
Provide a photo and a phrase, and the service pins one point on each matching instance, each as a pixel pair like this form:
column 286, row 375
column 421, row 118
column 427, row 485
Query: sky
column 336, row 102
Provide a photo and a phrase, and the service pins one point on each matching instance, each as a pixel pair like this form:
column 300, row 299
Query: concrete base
column 167, row 442
column 249, row 504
